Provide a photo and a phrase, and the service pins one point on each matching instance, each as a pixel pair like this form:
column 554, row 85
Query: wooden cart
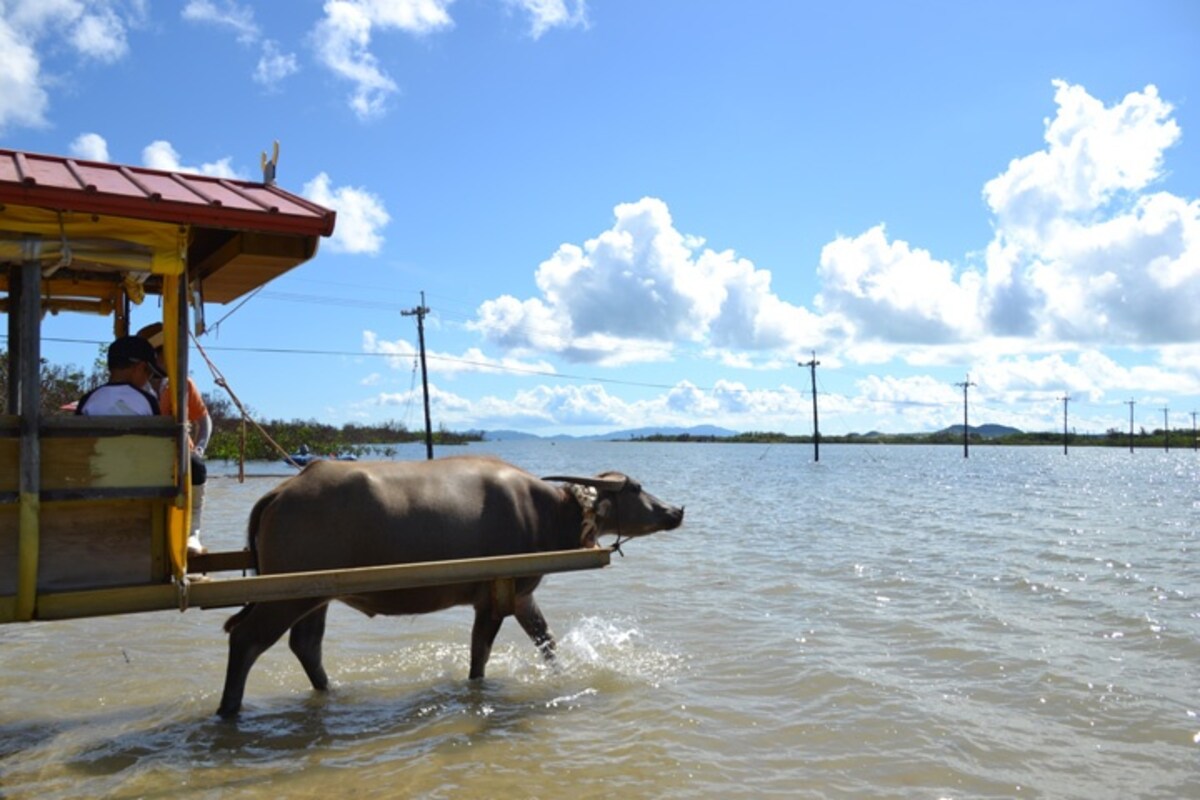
column 94, row 511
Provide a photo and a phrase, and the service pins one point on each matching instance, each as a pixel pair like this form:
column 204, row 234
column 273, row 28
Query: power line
column 487, row 366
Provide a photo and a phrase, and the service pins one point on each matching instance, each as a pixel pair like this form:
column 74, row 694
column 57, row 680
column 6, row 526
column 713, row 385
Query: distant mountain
column 641, row 433
column 507, row 436
column 986, row 431
column 622, row 435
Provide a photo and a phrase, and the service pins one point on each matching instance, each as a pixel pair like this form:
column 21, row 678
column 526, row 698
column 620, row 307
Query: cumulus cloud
column 159, row 154
column 342, row 40
column 361, row 215
column 90, row 147
column 897, row 293
column 93, row 29
column 637, row 289
column 545, row 15
column 23, row 101
column 1085, row 249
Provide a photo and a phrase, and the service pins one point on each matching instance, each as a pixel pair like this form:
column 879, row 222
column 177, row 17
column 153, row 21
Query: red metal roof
column 67, row 184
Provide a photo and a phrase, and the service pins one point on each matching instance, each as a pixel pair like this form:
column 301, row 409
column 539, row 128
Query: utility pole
column 1130, row 404
column 812, row 365
column 1066, row 399
column 419, row 312
column 964, row 385
column 1166, row 432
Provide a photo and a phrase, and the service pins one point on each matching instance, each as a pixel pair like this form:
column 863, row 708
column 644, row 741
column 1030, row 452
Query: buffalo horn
column 602, row 484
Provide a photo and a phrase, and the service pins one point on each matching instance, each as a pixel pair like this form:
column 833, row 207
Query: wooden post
column 419, row 312
column 812, row 365
column 29, row 309
column 179, row 389
column 1066, row 399
column 1130, row 404
column 14, row 341
column 966, row 426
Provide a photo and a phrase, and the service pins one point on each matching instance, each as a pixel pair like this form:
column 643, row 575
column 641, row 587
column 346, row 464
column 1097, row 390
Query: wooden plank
column 89, row 545
column 223, row 561
column 108, row 462
column 82, row 453
column 10, row 455
column 325, row 583
column 82, row 426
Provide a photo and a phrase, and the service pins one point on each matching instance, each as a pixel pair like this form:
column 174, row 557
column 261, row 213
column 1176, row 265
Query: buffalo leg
column 483, row 633
column 305, row 641
column 261, row 627
column 531, row 619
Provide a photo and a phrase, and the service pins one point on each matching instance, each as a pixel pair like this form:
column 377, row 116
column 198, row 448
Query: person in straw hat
column 201, row 429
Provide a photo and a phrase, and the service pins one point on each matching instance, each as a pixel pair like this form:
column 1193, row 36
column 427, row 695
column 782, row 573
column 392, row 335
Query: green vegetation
column 61, row 385
column 322, row 438
column 1179, row 438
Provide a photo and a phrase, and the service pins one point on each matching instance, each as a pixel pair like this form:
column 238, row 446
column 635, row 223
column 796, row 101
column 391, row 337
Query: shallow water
column 889, row 622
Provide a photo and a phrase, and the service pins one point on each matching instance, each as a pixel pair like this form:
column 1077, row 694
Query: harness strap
column 587, row 496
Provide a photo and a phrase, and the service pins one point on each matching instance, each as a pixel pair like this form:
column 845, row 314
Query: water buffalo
column 338, row 514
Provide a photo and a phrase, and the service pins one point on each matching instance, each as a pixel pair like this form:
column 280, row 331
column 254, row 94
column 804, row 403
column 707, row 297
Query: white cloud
column 227, row 14
column 100, row 35
column 1092, row 154
column 23, row 100
column 897, row 293
column 273, row 65
column 90, row 147
column 159, row 154
column 639, row 288
column 343, row 43
column 1083, row 251
column 545, row 15
column 592, row 407
column 1088, row 252
column 361, row 215
column 93, row 29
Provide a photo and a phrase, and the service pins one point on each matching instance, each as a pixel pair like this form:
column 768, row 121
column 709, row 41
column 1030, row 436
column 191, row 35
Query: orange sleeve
column 196, row 407
column 166, row 403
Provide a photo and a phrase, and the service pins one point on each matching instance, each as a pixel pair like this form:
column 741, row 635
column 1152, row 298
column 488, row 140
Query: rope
column 219, row 379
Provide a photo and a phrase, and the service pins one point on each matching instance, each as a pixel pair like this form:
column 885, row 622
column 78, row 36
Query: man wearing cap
column 131, row 365
column 200, row 422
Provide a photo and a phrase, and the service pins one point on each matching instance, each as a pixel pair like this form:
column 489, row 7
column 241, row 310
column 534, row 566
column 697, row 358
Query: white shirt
column 118, row 399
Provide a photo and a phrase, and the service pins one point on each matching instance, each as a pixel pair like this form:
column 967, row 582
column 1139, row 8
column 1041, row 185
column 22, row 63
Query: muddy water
column 890, row 622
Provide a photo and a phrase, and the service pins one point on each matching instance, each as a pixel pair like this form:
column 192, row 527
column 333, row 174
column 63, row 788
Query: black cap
column 130, row 350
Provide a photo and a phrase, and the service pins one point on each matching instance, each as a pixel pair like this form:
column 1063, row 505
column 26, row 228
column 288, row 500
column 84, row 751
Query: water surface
column 888, row 622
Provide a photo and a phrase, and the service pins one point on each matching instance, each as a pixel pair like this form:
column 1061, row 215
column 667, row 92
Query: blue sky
column 632, row 213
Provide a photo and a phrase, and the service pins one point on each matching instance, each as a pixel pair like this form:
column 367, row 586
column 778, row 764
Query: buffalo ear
column 602, row 484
